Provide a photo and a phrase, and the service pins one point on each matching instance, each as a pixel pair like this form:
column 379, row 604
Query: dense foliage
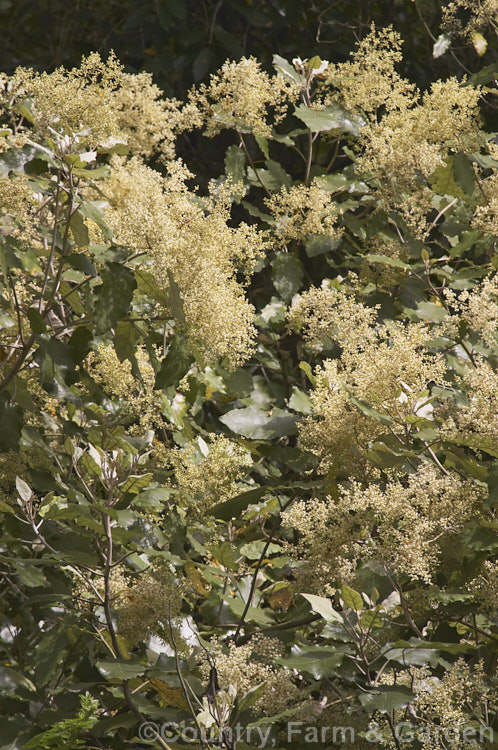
column 249, row 446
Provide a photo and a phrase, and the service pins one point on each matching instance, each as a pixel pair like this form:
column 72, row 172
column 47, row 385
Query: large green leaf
column 319, row 661
column 323, row 607
column 331, row 117
column 233, row 508
column 11, row 420
column 351, row 598
column 287, row 275
column 113, row 296
column 120, row 670
column 175, row 364
column 386, row 698
column 463, row 172
column 257, row 424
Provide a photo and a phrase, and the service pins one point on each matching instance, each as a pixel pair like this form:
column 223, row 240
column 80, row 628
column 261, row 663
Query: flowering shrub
column 249, row 444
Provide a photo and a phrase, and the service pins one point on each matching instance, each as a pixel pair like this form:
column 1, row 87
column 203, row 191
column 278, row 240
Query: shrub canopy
column 249, row 443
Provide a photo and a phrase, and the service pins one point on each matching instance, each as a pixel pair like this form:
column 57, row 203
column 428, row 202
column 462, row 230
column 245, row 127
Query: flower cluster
column 403, row 524
column 136, row 396
column 302, row 211
column 406, row 135
column 486, row 214
column 243, row 97
column 247, row 666
column 462, row 694
column 385, row 365
column 189, row 238
column 95, row 105
column 150, row 606
column 410, row 143
column 368, row 81
column 207, row 473
column 485, row 587
column 474, row 421
column 17, row 206
column 478, row 308
column 331, row 315
column 477, row 17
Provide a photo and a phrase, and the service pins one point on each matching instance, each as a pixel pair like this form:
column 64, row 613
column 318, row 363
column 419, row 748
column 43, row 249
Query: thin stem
column 251, row 162
column 334, row 156
column 52, row 245
column 256, row 572
column 309, row 159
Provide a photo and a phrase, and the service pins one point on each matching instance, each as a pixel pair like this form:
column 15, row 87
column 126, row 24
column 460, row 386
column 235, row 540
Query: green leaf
column 463, row 173
column 30, row 575
column 79, row 230
column 278, row 172
column 430, row 311
column 371, row 619
column 146, row 284
column 323, row 607
column 351, row 598
column 11, row 419
column 201, row 64
column 314, row 63
column 36, row 321
column 287, row 275
column 386, row 260
column 14, row 731
column 153, row 499
column 175, row 300
column 306, row 368
column 250, row 698
column 234, row 507
column 81, row 262
column 270, row 182
column 386, row 698
column 257, row 424
column 443, row 182
column 287, row 70
column 175, row 364
column 493, row 482
column 320, row 244
column 120, row 670
column 369, row 411
column 235, row 164
column 125, row 340
column 300, row 401
column 332, row 117
column 48, row 655
column 113, row 296
column 319, row 661
column 93, row 210
column 416, row 657
column 24, row 490
column 263, row 144
column 485, row 75
column 12, row 679
column 79, row 344
column 235, row 161
column 481, row 537
column 135, row 484
column 254, row 614
column 224, row 554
